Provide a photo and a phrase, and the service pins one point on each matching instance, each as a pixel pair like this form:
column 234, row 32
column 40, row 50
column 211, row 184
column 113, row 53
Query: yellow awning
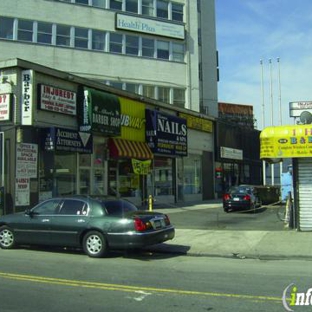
column 286, row 142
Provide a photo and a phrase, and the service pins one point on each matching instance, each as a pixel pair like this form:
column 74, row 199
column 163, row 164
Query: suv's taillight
column 139, row 225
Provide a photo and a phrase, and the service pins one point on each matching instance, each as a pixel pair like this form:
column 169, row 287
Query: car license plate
column 159, row 223
column 236, row 198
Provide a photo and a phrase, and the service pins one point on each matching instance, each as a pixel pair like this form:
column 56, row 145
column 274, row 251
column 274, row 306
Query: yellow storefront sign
column 142, row 167
column 286, row 142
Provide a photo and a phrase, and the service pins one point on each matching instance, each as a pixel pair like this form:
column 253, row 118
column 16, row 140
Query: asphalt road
column 214, row 218
column 34, row 280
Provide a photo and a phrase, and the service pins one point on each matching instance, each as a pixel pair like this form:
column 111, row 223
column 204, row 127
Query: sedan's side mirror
column 28, row 212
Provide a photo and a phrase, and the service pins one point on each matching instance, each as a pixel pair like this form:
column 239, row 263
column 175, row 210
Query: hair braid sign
column 141, row 167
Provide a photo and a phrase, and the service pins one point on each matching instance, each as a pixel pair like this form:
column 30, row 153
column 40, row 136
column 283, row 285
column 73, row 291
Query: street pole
column 280, row 109
column 272, row 111
column 263, row 117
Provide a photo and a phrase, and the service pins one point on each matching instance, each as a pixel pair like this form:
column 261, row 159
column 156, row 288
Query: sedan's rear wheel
column 94, row 244
column 7, row 239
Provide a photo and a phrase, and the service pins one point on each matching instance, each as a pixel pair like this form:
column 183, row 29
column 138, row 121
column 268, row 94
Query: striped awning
column 120, row 148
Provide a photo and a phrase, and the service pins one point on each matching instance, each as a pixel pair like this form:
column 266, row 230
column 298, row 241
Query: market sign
column 231, row 153
column 66, row 140
column 27, row 97
column 57, row 100
column 141, row 167
column 99, row 112
column 149, row 26
column 286, row 142
column 5, row 107
column 197, row 123
column 166, row 134
column 296, row 108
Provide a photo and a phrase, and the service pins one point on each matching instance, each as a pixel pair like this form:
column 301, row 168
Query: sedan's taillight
column 226, row 196
column 167, row 220
column 139, row 225
column 247, row 197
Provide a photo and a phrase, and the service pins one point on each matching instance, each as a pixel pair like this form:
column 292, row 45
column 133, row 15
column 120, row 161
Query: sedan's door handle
column 81, row 220
column 45, row 220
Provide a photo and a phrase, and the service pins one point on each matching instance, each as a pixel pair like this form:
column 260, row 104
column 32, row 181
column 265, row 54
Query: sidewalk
column 287, row 244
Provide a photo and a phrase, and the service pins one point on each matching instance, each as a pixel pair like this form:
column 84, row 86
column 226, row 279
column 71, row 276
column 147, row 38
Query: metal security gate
column 304, row 189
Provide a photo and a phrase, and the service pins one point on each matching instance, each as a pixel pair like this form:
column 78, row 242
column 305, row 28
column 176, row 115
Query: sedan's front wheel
column 7, row 239
column 94, row 244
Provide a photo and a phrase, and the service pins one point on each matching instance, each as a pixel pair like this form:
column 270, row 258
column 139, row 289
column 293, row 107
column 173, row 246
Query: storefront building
column 64, row 135
column 294, row 142
column 237, row 153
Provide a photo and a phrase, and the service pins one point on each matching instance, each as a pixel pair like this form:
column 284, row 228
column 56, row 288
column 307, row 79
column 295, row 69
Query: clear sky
column 252, row 30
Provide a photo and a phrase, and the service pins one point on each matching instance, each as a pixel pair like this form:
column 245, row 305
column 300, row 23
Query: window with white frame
column 148, row 91
column 148, row 7
column 6, row 27
column 116, row 84
column 163, row 50
column 148, row 47
column 81, row 38
column 177, row 12
column 163, row 94
column 63, row 35
column 132, row 87
column 44, row 33
column 25, row 30
column 162, row 9
column 132, row 45
column 132, row 6
column 178, row 52
column 178, row 97
column 99, row 3
column 85, row 2
column 115, row 43
column 98, row 40
column 115, row 4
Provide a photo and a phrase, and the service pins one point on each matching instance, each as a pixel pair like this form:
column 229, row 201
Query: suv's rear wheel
column 94, row 244
column 7, row 239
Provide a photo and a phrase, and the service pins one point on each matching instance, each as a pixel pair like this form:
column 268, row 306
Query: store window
column 6, row 27
column 84, row 2
column 163, row 176
column 132, row 87
column 44, row 33
column 99, row 169
column 25, row 30
column 192, row 174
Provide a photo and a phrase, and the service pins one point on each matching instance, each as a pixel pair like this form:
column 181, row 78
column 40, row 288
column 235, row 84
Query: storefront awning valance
column 286, row 142
column 120, row 148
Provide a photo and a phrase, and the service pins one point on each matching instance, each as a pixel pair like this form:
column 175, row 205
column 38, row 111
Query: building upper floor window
column 157, row 8
column 6, row 27
column 91, row 39
column 25, row 30
column 115, row 4
column 162, row 9
column 63, row 35
column 148, row 7
column 132, row 6
column 44, row 33
column 177, row 12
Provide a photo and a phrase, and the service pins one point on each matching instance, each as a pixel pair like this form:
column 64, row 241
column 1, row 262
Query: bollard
column 150, row 202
